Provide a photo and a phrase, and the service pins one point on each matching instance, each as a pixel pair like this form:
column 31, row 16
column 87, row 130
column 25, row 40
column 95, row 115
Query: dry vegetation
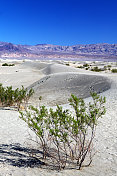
column 66, row 137
column 95, row 66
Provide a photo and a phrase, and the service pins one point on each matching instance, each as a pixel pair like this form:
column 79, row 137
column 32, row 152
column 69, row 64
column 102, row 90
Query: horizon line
column 57, row 44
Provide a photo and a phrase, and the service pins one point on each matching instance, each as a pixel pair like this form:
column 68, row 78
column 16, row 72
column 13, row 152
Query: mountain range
column 93, row 51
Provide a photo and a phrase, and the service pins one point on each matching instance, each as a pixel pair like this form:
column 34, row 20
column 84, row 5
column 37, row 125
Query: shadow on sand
column 16, row 155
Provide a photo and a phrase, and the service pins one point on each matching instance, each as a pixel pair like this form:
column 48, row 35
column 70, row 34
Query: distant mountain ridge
column 103, row 50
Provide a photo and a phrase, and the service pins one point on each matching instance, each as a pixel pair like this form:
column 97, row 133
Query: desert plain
column 55, row 81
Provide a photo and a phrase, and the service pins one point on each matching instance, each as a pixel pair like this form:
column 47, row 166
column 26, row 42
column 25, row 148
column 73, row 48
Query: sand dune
column 58, row 68
column 57, row 88
column 34, row 65
column 60, row 81
column 20, row 74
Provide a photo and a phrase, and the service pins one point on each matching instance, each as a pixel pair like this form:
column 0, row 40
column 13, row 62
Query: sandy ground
column 19, row 75
column 15, row 137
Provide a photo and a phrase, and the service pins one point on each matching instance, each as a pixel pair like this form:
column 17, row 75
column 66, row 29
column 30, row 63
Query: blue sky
column 60, row 22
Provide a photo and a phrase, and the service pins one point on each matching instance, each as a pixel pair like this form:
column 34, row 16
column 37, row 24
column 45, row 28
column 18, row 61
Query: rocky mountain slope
column 56, row 51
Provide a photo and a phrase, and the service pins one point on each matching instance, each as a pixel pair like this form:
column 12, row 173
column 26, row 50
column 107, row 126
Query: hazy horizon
column 57, row 44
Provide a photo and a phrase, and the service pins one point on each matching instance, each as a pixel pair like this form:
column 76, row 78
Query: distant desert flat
column 55, row 81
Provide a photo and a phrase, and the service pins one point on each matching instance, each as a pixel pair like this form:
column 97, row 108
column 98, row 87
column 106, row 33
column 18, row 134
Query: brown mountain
column 91, row 51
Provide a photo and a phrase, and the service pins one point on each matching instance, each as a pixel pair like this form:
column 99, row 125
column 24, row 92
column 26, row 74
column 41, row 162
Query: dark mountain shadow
column 16, row 155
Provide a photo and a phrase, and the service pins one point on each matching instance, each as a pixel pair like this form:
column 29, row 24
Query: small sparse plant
column 114, row 70
column 86, row 65
column 40, row 98
column 105, row 68
column 69, row 134
column 96, row 69
column 11, row 64
column 109, row 66
column 5, row 64
column 80, row 66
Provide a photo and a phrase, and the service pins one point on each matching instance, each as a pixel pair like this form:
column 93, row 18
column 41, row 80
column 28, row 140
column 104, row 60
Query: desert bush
column 69, row 134
column 11, row 64
column 5, row 64
column 96, row 69
column 9, row 97
column 85, row 65
column 80, row 66
column 105, row 68
column 109, row 66
column 114, row 70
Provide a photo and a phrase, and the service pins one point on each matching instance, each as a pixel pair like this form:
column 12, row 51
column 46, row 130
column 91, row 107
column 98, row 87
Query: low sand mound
column 48, row 68
column 57, row 88
column 58, row 68
column 34, row 65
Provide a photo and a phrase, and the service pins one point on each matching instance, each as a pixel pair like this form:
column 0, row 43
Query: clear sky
column 61, row 22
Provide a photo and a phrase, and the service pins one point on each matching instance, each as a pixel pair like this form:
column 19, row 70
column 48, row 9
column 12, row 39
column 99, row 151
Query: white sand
column 14, row 132
column 19, row 75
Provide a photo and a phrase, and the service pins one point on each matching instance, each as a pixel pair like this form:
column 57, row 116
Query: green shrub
column 9, row 97
column 85, row 65
column 114, row 70
column 70, row 134
column 80, row 66
column 105, row 68
column 96, row 69
column 109, row 66
column 5, row 64
column 11, row 64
